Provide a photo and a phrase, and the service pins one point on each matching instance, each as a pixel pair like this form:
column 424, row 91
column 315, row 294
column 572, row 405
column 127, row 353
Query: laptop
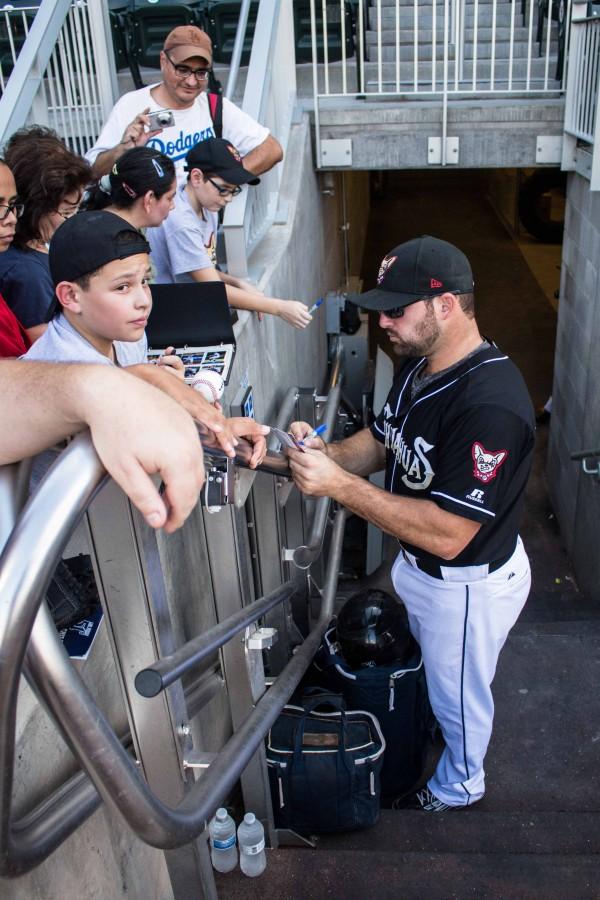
column 195, row 319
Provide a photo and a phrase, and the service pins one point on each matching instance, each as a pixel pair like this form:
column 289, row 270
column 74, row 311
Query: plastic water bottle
column 223, row 851
column 251, row 838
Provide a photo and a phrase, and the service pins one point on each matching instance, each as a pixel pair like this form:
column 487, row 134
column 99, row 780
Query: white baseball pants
column 461, row 626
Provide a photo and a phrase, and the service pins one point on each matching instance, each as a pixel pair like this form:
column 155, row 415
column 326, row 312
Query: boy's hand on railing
column 294, row 313
column 138, row 432
column 301, row 430
column 255, row 434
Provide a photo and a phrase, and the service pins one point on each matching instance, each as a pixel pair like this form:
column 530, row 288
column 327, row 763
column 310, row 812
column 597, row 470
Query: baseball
column 209, row 383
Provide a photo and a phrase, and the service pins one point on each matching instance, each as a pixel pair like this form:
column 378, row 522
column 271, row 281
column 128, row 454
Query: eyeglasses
column 398, row 311
column 69, row 213
column 7, row 208
column 225, row 191
column 185, row 71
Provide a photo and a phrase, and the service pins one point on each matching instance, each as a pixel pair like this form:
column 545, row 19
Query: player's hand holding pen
column 308, row 436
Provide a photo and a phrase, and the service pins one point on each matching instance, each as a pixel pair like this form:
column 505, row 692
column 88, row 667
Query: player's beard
column 426, row 333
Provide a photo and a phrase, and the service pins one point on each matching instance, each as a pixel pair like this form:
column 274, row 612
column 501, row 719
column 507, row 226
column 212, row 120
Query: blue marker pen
column 315, row 306
column 314, row 433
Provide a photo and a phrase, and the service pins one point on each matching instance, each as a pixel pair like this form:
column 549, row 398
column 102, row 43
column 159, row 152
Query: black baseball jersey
column 465, row 442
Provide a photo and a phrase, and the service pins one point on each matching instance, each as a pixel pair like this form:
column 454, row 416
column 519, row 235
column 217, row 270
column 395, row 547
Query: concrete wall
column 301, row 259
column 575, row 422
column 491, row 133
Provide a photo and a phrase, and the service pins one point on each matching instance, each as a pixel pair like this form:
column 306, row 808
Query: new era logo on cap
column 406, row 274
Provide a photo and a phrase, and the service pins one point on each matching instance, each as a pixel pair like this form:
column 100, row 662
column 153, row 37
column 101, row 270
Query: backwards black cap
column 216, row 156
column 89, row 240
column 416, row 270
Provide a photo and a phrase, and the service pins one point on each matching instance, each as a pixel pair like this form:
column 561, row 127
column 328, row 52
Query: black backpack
column 396, row 695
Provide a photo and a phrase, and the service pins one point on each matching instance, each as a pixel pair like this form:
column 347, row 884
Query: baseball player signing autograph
column 456, row 439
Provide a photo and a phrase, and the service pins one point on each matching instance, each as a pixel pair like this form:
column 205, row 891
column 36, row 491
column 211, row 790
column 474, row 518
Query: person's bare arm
column 137, row 431
column 193, row 402
column 263, row 157
column 421, row 523
column 291, row 311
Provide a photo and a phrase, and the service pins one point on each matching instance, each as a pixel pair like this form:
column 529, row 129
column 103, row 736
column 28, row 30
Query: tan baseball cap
column 186, row 41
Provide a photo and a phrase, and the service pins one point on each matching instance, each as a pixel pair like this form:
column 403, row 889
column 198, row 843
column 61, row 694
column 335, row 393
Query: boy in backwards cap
column 184, row 245
column 99, row 265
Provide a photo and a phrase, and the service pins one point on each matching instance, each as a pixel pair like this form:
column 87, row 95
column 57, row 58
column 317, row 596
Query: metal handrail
column 304, row 555
column 149, row 682
column 44, row 528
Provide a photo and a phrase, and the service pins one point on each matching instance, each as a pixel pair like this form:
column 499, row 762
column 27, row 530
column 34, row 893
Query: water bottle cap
column 221, row 814
column 249, row 818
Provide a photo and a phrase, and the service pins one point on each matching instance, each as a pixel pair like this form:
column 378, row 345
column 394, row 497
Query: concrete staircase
column 398, row 32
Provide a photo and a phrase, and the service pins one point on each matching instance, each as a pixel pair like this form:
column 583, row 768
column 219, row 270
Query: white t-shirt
column 183, row 243
column 62, row 343
column 192, row 125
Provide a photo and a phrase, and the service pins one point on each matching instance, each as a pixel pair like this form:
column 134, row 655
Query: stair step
column 293, row 874
column 425, row 35
column 411, row 831
column 484, row 51
column 483, row 74
column 425, row 17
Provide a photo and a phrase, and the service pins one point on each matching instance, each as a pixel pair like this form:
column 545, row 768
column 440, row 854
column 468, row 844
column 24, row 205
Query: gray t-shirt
column 183, row 243
column 63, row 343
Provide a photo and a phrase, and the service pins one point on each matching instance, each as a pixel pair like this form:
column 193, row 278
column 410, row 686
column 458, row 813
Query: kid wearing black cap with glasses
column 184, row 246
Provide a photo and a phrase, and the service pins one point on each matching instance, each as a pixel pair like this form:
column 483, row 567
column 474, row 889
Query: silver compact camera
column 162, row 118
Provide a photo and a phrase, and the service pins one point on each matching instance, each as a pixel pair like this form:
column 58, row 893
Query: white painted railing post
column 269, row 97
column 101, row 38
column 595, row 173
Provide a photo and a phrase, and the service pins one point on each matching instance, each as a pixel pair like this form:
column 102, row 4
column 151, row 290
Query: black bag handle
column 313, row 697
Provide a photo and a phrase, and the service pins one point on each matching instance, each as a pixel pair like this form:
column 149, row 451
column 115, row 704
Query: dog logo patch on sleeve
column 486, row 463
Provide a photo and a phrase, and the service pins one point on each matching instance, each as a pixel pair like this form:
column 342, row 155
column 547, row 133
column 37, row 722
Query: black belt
column 435, row 570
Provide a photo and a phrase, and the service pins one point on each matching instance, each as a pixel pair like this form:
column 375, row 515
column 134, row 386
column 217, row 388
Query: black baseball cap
column 418, row 269
column 217, row 156
column 89, row 240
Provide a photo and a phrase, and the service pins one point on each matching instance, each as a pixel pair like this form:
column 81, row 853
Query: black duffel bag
column 396, row 695
column 324, row 766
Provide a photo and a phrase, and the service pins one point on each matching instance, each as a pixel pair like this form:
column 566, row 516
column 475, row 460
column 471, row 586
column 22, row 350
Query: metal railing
column 438, row 50
column 582, row 116
column 56, row 54
column 29, row 643
column 269, row 97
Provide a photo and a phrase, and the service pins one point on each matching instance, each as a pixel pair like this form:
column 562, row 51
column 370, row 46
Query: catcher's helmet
column 372, row 630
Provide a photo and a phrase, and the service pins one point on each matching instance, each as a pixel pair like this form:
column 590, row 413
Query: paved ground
column 536, row 834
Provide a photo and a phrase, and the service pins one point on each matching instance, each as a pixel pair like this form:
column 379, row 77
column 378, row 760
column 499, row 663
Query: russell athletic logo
column 476, row 495
column 486, row 463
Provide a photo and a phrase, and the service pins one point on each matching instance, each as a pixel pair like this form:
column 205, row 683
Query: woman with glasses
column 13, row 338
column 50, row 181
column 140, row 188
column 185, row 66
column 184, row 246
